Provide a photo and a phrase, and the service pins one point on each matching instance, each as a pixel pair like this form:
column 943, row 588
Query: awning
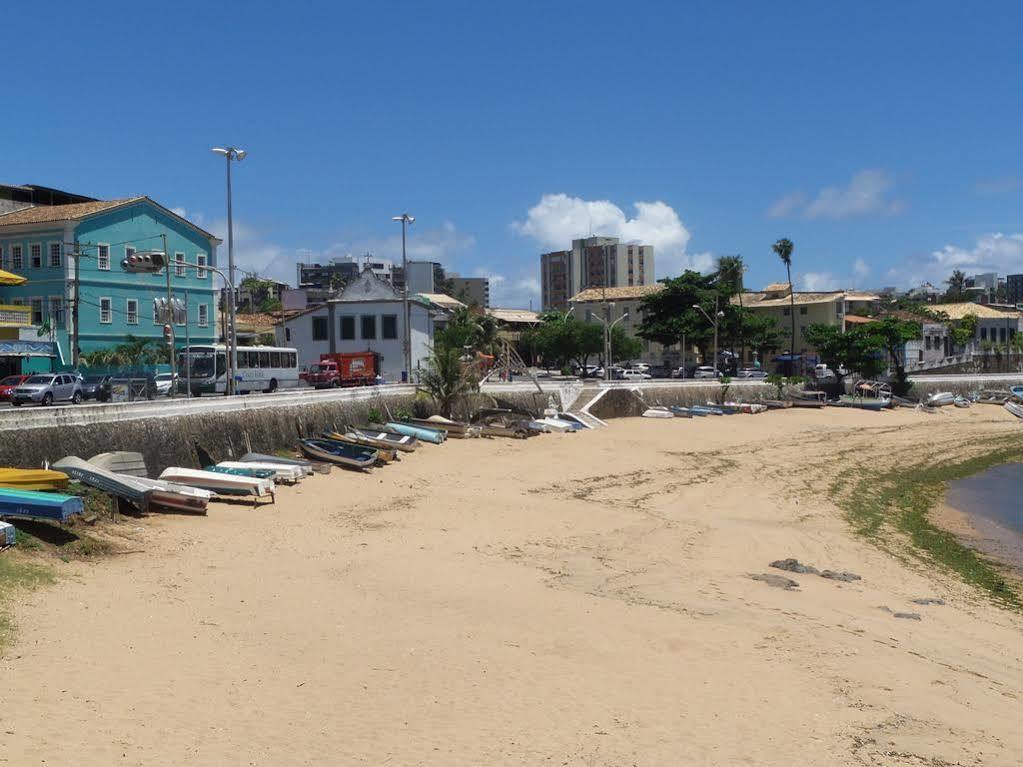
column 6, row 278
column 27, row 349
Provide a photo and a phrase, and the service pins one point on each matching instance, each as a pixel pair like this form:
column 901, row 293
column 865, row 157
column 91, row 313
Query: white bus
column 260, row 368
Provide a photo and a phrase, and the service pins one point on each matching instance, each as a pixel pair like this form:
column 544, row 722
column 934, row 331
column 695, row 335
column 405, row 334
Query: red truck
column 349, row 369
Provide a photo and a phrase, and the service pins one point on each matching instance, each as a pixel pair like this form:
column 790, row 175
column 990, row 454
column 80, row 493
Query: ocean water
column 995, row 495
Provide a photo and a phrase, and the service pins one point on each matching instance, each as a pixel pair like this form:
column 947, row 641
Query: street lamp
column 231, row 153
column 406, row 220
column 717, row 316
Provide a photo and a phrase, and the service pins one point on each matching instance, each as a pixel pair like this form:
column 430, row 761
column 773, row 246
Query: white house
column 366, row 316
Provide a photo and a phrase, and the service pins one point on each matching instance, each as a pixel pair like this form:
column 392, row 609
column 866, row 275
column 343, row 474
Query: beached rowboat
column 121, row 485
column 340, row 453
column 1015, row 408
column 29, row 504
column 436, row 436
column 384, row 454
column 218, row 482
column 33, row 479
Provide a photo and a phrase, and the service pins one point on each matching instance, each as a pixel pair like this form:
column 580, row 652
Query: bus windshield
column 202, row 365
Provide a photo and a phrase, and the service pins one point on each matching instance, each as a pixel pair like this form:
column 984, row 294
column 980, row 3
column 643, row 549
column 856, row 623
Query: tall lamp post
column 717, row 316
column 406, row 220
column 231, row 153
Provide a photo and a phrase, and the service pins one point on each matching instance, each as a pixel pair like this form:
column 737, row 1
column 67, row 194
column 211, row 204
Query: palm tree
column 446, row 379
column 784, row 248
column 729, row 278
column 956, row 285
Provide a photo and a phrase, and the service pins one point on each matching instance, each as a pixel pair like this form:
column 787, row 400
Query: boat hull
column 435, row 436
column 340, row 453
column 30, row 504
column 219, row 483
column 33, row 479
column 116, row 484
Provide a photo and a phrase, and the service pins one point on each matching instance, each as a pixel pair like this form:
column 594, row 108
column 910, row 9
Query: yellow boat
column 33, row 479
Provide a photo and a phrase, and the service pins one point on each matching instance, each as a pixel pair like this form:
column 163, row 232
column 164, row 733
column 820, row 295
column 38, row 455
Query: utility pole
column 74, row 308
column 169, row 315
column 188, row 354
column 405, row 220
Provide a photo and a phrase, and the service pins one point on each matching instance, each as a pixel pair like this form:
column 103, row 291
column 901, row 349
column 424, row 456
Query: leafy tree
column 784, row 248
column 669, row 316
column 728, row 281
column 956, row 286
column 467, row 328
column 868, row 349
column 134, row 352
column 446, row 379
column 623, row 346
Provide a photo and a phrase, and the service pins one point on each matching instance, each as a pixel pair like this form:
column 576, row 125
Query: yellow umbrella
column 6, row 278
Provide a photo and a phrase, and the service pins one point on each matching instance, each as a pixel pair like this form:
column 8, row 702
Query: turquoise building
column 39, row 243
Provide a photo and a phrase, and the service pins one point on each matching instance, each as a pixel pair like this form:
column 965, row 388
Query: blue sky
column 882, row 138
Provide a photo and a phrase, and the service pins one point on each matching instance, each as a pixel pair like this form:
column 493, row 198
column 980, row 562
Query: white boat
column 1015, row 408
column 571, row 418
column 556, row 424
column 282, row 472
column 941, row 398
column 170, row 495
column 658, row 412
column 216, row 482
column 961, row 402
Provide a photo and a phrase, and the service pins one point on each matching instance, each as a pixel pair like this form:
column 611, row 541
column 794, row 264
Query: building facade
column 1014, row 289
column 366, row 316
column 593, row 262
column 474, row 291
column 589, row 306
column 324, row 281
column 40, row 243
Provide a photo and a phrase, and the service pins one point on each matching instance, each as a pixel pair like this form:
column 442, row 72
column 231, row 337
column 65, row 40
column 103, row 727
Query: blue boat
column 28, row 504
column 436, row 436
column 705, row 410
column 340, row 453
column 681, row 412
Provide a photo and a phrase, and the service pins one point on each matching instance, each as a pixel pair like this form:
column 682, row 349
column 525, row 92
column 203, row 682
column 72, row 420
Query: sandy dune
column 575, row 600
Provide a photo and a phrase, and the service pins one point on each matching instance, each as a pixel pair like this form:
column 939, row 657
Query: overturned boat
column 219, row 482
column 31, row 504
column 121, row 485
column 340, row 453
column 33, row 479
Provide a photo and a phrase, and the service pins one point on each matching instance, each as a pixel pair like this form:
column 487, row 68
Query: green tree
column 783, row 248
column 623, row 346
column 669, row 316
column 728, row 281
column 956, row 286
column 467, row 328
column 446, row 379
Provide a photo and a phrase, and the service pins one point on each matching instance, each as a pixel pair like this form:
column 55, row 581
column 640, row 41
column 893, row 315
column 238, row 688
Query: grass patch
column 15, row 575
column 878, row 502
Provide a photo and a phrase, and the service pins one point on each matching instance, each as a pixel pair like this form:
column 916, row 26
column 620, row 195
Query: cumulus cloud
column 817, row 281
column 994, row 252
column 867, row 193
column 861, row 269
column 558, row 219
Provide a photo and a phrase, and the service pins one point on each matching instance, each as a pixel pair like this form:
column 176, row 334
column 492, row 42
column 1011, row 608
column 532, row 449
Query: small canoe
column 30, row 504
column 384, row 438
column 253, row 472
column 961, row 402
column 121, row 462
column 281, row 472
column 419, row 432
column 384, row 454
column 219, row 482
column 121, row 485
column 340, row 453
column 169, row 496
column 681, row 412
column 940, row 399
column 33, row 479
column 706, row 410
column 657, row 412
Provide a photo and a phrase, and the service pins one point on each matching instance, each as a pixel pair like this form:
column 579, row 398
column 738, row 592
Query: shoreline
column 1000, row 544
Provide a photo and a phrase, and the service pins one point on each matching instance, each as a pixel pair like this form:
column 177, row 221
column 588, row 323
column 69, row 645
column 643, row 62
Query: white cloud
column 519, row 292
column 994, row 252
column 558, row 219
column 867, row 193
column 817, row 281
column 861, row 269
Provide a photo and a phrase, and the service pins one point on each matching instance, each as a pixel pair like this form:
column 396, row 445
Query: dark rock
column 836, row 575
column 793, row 566
column 907, row 616
column 778, row 581
column 928, row 601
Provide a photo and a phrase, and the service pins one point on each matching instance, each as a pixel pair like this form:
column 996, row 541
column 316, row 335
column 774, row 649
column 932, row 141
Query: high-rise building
column 593, row 262
column 1014, row 289
column 470, row 290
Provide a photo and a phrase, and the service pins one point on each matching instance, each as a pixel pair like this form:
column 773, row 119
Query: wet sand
column 578, row 599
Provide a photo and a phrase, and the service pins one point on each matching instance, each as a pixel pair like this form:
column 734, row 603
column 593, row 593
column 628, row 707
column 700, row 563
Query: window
column 927, row 343
column 287, row 335
column 275, row 359
column 106, row 314
column 1001, row 335
column 179, row 260
column 786, row 311
column 200, row 259
column 319, row 328
column 57, row 310
column 56, row 254
column 348, row 328
column 35, row 251
column 264, row 359
column 802, row 310
column 132, row 311
column 368, row 323
column 204, row 315
column 17, row 262
column 37, row 311
column 103, row 257
column 389, row 326
column 983, row 334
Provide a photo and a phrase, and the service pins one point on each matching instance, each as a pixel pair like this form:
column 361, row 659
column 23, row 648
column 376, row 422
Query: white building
column 367, row 316
column 593, row 262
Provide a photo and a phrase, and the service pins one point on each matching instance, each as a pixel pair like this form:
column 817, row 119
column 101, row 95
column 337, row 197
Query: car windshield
column 10, row 381
column 164, row 377
column 40, row 380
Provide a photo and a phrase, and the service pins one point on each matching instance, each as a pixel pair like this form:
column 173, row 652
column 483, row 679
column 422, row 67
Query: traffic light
column 144, row 262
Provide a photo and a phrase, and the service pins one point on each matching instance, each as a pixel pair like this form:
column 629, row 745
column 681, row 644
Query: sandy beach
column 581, row 599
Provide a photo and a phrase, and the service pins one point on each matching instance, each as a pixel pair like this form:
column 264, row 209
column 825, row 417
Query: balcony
column 15, row 316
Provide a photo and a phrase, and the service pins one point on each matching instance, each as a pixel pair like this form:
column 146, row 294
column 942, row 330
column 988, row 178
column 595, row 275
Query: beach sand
column 579, row 599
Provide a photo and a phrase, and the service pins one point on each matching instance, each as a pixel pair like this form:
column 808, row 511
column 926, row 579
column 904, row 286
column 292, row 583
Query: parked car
column 92, row 385
column 705, row 371
column 48, row 388
column 751, row 373
column 8, row 384
column 164, row 383
column 632, row 374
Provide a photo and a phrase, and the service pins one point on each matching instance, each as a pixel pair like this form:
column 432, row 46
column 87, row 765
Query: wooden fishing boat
column 170, row 496
column 864, row 403
column 681, row 412
column 1015, row 408
column 995, row 396
column 384, row 438
column 315, row 466
column 423, row 433
column 706, row 410
column 279, row 472
column 33, row 479
column 777, row 404
column 384, row 454
column 501, row 422
column 453, row 428
column 340, row 453
column 120, row 485
column 30, row 504
column 220, row 483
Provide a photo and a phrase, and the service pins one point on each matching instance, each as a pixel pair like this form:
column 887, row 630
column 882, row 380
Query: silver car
column 47, row 388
